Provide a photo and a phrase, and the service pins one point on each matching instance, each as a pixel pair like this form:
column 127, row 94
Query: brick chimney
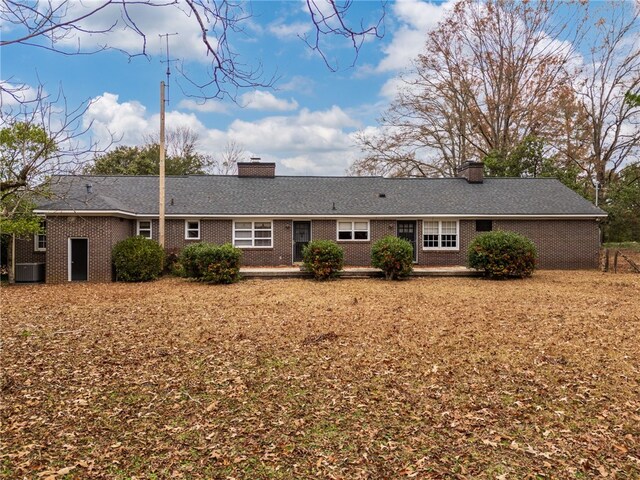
column 256, row 169
column 472, row 171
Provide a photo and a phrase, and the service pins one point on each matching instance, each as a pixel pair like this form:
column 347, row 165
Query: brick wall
column 560, row 243
column 26, row 253
column 280, row 254
column 221, row 231
column 102, row 234
column 564, row 244
column 444, row 258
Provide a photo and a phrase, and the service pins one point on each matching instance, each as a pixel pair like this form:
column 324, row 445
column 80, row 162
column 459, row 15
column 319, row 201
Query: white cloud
column 14, row 94
column 261, row 100
column 298, row 83
column 152, row 20
column 208, row 106
column 129, row 122
column 307, row 142
column 285, row 31
column 416, row 19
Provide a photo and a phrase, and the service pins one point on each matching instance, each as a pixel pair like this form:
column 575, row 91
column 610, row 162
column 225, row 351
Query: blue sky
column 305, row 123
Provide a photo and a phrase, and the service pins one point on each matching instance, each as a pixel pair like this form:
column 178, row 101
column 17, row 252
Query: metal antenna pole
column 168, row 62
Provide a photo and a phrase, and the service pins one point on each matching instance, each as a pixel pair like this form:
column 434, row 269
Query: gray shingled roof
column 317, row 196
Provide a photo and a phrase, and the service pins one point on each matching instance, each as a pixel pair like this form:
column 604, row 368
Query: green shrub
column 211, row 263
column 323, row 258
column 188, row 257
column 394, row 256
column 502, row 254
column 137, row 259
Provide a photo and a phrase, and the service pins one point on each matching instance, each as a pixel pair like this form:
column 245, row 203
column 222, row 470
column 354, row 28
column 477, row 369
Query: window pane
column 243, row 234
column 263, row 225
column 192, row 234
column 361, row 226
column 344, row 225
column 431, row 228
column 242, row 243
column 263, row 234
column 144, row 225
column 344, row 235
column 361, row 236
column 484, row 225
column 449, row 241
column 263, row 243
column 145, row 233
column 193, row 225
column 431, row 241
column 448, row 227
column 243, row 225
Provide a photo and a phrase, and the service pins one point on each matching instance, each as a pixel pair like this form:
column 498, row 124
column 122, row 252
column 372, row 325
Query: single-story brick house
column 272, row 217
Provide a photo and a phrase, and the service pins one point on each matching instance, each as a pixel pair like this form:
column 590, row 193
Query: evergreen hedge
column 394, row 256
column 137, row 259
column 323, row 258
column 211, row 263
column 502, row 254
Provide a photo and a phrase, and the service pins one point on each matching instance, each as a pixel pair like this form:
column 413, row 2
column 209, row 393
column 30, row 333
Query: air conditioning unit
column 29, row 272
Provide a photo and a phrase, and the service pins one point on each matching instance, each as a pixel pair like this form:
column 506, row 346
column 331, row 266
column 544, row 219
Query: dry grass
column 428, row 378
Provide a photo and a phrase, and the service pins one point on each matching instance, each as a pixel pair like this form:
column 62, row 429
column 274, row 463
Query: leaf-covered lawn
column 427, row 378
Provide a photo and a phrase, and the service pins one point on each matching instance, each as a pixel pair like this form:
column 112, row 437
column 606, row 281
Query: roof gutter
column 125, row 214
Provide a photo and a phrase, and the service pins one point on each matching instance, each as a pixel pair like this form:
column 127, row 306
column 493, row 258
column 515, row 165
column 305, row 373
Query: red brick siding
column 26, row 253
column 103, row 233
column 560, row 243
column 221, row 231
column 256, row 169
column 443, row 258
column 356, row 252
column 280, row 254
column 564, row 244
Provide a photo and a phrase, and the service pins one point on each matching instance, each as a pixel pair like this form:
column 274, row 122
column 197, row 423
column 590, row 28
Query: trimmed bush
column 188, row 257
column 211, row 263
column 394, row 256
column 323, row 258
column 137, row 259
column 502, row 255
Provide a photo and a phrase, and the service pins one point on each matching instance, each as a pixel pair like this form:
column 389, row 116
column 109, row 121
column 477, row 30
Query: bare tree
column 611, row 73
column 181, row 141
column 56, row 24
column 489, row 78
column 39, row 139
column 227, row 162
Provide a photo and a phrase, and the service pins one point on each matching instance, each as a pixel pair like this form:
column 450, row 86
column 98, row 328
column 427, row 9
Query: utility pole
column 161, row 176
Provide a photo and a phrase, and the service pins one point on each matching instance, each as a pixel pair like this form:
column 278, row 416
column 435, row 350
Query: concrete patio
column 356, row 272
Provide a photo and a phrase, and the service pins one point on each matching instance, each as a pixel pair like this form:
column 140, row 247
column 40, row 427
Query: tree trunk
column 11, row 262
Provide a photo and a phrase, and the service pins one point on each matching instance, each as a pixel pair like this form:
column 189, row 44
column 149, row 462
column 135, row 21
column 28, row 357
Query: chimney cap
column 255, row 159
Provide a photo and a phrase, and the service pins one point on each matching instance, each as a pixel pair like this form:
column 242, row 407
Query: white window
column 248, row 233
column 40, row 239
column 353, row 230
column 144, row 228
column 192, row 229
column 441, row 235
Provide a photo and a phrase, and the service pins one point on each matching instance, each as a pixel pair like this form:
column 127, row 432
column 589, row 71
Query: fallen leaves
column 355, row 379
